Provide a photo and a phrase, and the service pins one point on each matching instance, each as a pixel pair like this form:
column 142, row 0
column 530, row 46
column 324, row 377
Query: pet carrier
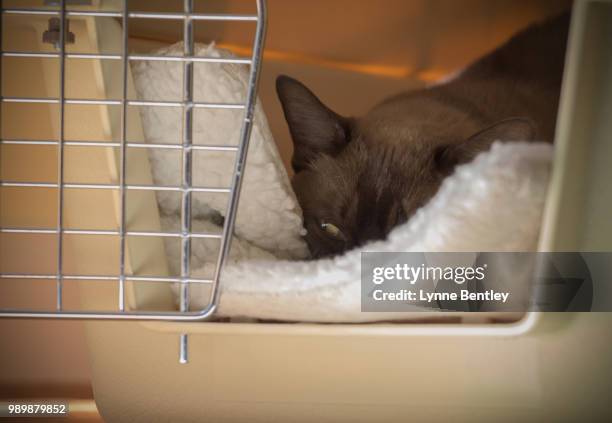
column 88, row 155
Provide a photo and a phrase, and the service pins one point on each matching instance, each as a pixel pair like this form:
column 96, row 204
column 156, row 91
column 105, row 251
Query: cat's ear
column 315, row 129
column 507, row 130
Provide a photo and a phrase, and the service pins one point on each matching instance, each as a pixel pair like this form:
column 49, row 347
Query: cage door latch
column 52, row 34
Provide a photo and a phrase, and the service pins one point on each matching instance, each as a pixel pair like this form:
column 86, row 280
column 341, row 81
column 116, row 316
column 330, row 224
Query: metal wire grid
column 187, row 147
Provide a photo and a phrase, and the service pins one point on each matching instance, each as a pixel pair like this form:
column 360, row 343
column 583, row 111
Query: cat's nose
column 369, row 233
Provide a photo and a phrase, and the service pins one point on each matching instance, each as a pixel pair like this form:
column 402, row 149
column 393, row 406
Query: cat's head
column 358, row 178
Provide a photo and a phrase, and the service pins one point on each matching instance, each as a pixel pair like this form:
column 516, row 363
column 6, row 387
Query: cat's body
column 357, row 178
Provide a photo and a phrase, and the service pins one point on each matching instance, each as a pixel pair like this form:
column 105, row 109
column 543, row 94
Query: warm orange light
column 388, row 71
column 432, row 75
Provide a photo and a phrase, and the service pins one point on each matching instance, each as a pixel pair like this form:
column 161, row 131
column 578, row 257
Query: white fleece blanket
column 269, row 216
column 494, row 203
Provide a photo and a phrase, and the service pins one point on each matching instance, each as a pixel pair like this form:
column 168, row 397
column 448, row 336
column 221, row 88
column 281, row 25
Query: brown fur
column 367, row 175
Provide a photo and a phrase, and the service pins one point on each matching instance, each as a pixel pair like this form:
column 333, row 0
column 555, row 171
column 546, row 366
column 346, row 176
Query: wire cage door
column 59, row 15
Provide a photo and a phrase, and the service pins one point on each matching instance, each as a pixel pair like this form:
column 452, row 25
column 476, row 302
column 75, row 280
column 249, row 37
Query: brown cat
column 357, row 178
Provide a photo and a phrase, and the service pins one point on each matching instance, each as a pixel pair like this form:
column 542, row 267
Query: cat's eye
column 332, row 230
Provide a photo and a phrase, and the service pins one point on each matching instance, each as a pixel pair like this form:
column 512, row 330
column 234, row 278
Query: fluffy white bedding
column 269, row 216
column 492, row 204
